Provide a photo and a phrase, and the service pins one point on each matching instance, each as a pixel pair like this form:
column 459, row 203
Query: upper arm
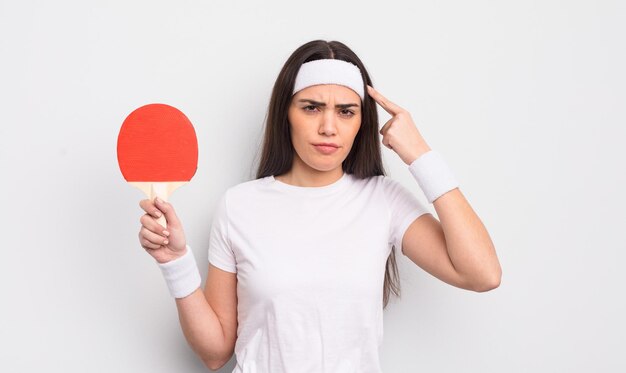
column 425, row 244
column 221, row 293
column 221, row 285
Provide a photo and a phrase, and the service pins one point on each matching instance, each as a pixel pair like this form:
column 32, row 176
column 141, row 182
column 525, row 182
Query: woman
column 302, row 259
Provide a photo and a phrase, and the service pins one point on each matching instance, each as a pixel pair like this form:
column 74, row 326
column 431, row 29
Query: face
column 324, row 113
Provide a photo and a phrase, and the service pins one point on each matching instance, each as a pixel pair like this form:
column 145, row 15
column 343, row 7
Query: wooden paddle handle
column 163, row 190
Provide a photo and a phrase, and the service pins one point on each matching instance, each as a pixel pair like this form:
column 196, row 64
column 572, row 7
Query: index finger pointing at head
column 389, row 106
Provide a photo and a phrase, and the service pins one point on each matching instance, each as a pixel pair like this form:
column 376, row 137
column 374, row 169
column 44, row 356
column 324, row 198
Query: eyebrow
column 342, row 106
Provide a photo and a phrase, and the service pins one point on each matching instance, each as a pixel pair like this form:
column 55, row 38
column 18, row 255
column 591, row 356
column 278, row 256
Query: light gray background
column 524, row 99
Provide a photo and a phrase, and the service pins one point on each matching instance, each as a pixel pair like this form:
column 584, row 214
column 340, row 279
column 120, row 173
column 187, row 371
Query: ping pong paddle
column 157, row 150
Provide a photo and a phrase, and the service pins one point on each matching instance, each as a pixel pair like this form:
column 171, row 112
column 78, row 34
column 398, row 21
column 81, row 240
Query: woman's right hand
column 164, row 244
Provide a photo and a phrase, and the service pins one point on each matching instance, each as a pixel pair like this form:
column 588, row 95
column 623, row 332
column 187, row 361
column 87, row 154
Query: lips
column 326, row 149
column 326, row 144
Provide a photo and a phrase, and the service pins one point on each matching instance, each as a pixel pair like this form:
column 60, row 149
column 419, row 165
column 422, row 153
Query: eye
column 309, row 106
column 347, row 112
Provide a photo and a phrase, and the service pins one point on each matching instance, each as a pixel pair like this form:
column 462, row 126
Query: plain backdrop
column 524, row 99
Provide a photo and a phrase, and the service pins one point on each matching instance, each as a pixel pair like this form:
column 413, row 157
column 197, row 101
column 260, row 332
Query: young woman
column 302, row 259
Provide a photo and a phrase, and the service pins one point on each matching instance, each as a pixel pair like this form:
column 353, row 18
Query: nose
column 328, row 125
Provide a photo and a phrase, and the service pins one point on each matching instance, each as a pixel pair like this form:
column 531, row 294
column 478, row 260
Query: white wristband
column 181, row 275
column 433, row 175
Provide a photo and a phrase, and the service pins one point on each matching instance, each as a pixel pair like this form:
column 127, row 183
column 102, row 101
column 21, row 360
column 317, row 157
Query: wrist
column 181, row 274
column 171, row 257
column 433, row 175
column 418, row 153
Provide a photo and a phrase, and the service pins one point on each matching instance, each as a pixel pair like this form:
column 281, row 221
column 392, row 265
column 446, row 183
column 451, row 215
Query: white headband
column 329, row 71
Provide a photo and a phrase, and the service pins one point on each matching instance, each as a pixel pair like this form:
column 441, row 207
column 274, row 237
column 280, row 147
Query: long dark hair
column 364, row 159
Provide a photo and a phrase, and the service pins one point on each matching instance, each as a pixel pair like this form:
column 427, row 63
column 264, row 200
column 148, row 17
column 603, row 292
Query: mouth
column 326, row 148
column 327, row 144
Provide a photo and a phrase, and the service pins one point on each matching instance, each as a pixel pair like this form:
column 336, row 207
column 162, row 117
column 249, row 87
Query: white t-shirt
column 310, row 264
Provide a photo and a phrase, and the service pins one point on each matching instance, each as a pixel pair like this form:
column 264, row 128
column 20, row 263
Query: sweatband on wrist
column 181, row 275
column 433, row 175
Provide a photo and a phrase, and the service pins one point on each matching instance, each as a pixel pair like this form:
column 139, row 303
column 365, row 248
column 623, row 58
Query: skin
column 311, row 124
column 457, row 250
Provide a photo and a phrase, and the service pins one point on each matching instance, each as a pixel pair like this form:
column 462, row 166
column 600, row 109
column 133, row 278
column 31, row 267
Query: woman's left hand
column 400, row 133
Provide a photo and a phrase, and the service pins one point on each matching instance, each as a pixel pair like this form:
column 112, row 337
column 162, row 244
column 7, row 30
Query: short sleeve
column 221, row 253
column 404, row 208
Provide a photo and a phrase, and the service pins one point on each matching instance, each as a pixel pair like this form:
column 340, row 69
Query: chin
column 324, row 166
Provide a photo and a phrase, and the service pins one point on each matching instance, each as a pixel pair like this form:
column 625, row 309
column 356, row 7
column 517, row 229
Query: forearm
column 469, row 246
column 202, row 328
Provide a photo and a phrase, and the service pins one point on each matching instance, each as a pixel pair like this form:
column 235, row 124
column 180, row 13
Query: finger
column 389, row 106
column 148, row 245
column 151, row 224
column 149, row 207
column 153, row 238
column 386, row 143
column 168, row 211
column 385, row 127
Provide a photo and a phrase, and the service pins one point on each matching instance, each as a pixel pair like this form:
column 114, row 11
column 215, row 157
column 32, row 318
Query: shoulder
column 390, row 185
column 249, row 185
column 246, row 190
column 396, row 193
column 369, row 181
column 380, row 182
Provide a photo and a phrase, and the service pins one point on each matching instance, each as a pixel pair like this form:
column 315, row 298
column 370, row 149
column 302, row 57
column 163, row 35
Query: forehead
column 323, row 92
